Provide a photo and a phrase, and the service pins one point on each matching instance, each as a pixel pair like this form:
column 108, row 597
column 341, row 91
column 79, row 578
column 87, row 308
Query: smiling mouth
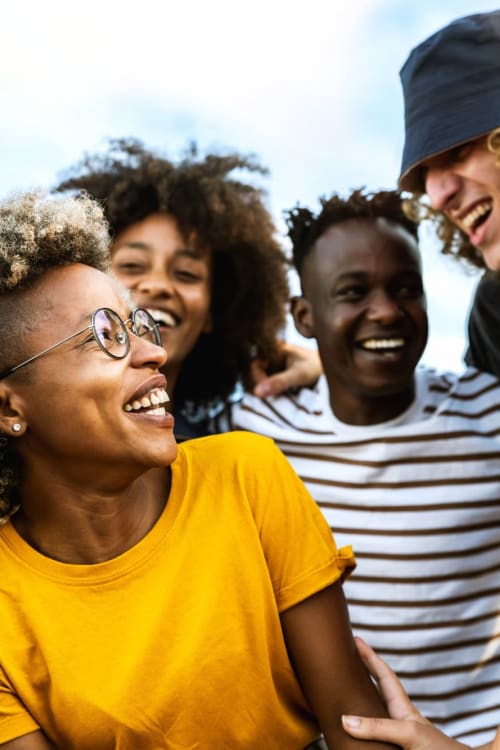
column 382, row 346
column 477, row 215
column 152, row 403
column 163, row 317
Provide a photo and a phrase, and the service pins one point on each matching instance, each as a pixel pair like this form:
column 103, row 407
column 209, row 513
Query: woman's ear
column 12, row 420
column 303, row 316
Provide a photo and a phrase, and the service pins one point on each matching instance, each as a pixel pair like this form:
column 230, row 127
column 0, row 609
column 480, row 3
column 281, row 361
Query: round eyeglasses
column 110, row 332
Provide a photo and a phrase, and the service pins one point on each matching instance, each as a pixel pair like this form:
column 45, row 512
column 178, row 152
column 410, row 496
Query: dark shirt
column 484, row 325
column 184, row 429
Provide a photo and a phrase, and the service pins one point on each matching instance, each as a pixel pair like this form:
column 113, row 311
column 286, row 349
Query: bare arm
column 406, row 726
column 322, row 649
column 301, row 367
column 32, row 741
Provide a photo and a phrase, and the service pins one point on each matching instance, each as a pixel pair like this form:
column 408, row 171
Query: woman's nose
column 156, row 284
column 145, row 352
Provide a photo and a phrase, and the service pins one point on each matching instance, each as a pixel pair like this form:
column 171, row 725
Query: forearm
column 327, row 664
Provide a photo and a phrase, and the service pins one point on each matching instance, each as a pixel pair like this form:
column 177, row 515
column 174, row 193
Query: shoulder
column 470, row 395
column 470, row 381
column 230, row 447
column 302, row 412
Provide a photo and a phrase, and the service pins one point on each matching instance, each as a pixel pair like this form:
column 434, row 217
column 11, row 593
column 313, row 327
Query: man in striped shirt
column 403, row 461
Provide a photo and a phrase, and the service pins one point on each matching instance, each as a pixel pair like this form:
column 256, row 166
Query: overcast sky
column 311, row 87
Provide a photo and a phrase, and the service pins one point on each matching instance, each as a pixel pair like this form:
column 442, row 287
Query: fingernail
column 262, row 390
column 353, row 722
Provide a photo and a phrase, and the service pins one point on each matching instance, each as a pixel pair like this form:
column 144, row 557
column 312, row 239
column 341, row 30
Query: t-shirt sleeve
column 298, row 544
column 15, row 721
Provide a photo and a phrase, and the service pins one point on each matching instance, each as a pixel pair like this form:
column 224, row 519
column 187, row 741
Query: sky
column 311, row 88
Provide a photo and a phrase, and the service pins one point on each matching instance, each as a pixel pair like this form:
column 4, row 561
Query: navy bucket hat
column 451, row 90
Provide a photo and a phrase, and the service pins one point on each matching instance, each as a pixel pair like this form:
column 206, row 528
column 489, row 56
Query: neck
column 359, row 410
column 93, row 524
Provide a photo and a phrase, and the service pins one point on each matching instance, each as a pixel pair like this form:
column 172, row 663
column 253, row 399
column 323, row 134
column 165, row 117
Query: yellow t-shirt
column 177, row 642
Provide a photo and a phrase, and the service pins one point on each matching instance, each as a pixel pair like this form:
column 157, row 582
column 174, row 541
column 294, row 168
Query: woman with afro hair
column 196, row 246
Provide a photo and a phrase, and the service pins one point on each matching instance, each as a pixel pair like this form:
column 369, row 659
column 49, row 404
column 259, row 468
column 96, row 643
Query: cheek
column 337, row 319
column 126, row 279
column 419, row 315
column 197, row 302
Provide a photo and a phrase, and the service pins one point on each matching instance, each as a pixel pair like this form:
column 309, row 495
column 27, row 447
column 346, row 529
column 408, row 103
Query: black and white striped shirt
column 419, row 500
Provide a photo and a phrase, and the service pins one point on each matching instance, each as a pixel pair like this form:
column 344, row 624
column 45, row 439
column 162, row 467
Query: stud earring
column 16, row 427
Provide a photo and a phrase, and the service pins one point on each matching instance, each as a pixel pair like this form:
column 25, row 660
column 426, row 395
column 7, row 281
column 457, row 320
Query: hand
column 302, row 367
column 406, row 727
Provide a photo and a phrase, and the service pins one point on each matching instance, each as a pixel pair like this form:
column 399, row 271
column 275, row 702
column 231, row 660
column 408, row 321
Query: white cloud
column 311, row 87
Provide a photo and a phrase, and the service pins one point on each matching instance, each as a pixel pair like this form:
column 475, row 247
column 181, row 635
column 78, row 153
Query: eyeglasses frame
column 92, row 328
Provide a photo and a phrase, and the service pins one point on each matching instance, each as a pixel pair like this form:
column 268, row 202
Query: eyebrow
column 361, row 275
column 351, row 275
column 187, row 251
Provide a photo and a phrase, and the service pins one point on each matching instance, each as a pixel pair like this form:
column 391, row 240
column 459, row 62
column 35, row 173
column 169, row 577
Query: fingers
column 273, row 385
column 302, row 369
column 385, row 730
column 410, row 735
column 398, row 704
column 257, row 371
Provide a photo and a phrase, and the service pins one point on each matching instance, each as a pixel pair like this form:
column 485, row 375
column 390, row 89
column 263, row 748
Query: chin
column 162, row 454
column 492, row 258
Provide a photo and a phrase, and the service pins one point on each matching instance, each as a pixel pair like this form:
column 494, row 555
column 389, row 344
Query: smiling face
column 464, row 184
column 79, row 406
column 363, row 301
column 171, row 278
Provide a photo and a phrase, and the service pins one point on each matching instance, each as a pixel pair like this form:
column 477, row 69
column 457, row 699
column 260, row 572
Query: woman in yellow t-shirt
column 151, row 596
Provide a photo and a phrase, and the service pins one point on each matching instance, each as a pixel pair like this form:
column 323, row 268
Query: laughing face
column 464, row 184
column 364, row 303
column 86, row 412
column 169, row 276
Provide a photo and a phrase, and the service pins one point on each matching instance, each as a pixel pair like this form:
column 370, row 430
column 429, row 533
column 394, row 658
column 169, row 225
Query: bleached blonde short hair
column 37, row 233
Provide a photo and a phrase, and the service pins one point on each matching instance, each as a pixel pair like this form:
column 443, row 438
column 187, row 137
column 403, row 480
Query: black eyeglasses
column 110, row 332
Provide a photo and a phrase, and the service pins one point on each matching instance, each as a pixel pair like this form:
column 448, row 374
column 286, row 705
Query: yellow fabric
column 177, row 642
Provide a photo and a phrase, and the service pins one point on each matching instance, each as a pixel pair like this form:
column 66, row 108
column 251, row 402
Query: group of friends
column 171, row 473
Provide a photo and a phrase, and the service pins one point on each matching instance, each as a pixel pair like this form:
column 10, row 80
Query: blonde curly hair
column 38, row 232
column 454, row 241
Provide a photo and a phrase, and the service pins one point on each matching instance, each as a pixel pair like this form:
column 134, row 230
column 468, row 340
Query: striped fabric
column 419, row 500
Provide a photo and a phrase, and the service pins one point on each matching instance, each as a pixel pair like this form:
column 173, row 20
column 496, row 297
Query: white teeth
column 163, row 317
column 155, row 398
column 374, row 344
column 480, row 210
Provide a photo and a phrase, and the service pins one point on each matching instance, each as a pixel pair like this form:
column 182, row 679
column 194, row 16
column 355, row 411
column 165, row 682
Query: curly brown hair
column 37, row 233
column 223, row 213
column 454, row 241
column 304, row 228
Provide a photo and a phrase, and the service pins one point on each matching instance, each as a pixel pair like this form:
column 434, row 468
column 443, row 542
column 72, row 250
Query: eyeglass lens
column 145, row 325
column 111, row 333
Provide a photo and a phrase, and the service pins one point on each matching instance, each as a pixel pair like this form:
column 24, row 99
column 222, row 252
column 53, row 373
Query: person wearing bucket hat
column 451, row 89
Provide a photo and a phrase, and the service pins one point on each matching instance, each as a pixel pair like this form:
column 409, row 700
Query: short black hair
column 304, row 228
